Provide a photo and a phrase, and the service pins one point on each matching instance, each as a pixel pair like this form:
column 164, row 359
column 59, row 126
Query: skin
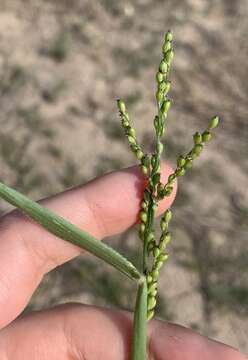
column 76, row 331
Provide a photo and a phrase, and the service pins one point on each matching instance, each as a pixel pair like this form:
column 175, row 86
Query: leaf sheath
column 140, row 323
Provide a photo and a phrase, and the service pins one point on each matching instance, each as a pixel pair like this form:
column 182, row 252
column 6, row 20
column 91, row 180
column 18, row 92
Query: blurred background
column 63, row 64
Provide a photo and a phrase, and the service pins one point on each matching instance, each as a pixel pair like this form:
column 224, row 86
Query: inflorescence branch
column 154, row 252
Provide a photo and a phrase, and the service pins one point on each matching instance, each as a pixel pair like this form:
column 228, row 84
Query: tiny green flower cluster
column 157, row 252
column 160, row 256
column 163, row 105
column 185, row 162
column 131, row 136
column 154, row 252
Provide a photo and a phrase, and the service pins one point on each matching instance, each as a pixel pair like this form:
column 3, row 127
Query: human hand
column 103, row 207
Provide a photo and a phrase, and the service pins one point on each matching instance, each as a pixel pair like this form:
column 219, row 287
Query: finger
column 103, row 207
column 82, row 332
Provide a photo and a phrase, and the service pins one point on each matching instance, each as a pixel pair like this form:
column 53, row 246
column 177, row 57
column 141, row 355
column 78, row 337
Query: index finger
column 103, row 207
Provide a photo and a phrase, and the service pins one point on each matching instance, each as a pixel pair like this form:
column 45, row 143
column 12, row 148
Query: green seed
column 144, row 205
column 165, row 236
column 154, row 293
column 168, row 36
column 213, row 123
column 125, row 123
column 169, row 56
column 151, row 303
column 134, row 147
column 142, row 228
column 154, row 207
column 156, row 252
column 163, row 257
column 163, row 67
column 180, row 172
column 163, row 225
column 150, row 246
column 131, row 131
column 126, row 116
column 167, row 215
column 197, row 149
column 162, row 245
column 188, row 164
column 163, row 86
column 159, row 77
column 150, row 237
column 131, row 140
column 180, row 161
column 150, row 314
column 121, row 105
column 144, row 169
column 206, row 136
column 197, row 138
column 159, row 264
column 159, row 148
column 155, row 274
column 166, row 47
column 149, row 279
column 192, row 155
column 139, row 154
column 143, row 216
column 164, row 240
column 167, row 88
column 159, row 96
column 165, row 106
column 152, row 287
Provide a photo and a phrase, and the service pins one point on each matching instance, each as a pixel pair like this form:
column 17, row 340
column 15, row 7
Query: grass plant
column 155, row 252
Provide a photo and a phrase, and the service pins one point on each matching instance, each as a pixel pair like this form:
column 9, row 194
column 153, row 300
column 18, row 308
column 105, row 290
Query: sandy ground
column 62, row 66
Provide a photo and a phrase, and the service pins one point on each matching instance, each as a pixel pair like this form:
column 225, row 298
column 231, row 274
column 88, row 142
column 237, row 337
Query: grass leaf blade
column 69, row 232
